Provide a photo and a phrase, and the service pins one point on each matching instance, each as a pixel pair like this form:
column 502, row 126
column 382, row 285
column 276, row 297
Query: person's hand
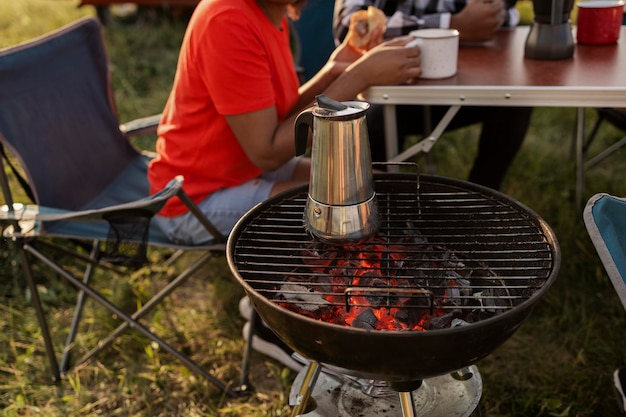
column 345, row 54
column 376, row 38
column 479, row 20
column 390, row 63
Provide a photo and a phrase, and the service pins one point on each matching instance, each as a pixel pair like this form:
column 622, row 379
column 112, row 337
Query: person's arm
column 479, row 20
column 270, row 144
column 399, row 23
column 474, row 20
column 403, row 66
column 390, row 63
column 267, row 143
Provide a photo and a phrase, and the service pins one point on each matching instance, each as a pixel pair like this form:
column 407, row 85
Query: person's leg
column 376, row 132
column 226, row 206
column 264, row 340
column 411, row 121
column 503, row 132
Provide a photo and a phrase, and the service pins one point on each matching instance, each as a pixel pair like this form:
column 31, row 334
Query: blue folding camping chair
column 605, row 219
column 90, row 207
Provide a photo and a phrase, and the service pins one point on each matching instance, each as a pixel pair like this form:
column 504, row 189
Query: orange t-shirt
column 232, row 61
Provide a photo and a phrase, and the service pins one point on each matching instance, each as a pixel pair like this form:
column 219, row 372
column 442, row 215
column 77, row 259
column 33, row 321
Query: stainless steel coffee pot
column 341, row 205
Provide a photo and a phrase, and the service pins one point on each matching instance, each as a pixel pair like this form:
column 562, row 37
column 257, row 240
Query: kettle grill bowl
column 404, row 356
column 393, row 356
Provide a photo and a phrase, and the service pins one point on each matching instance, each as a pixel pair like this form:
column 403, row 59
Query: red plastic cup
column 599, row 21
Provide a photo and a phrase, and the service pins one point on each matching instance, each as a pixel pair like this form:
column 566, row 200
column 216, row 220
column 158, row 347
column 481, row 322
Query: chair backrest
column 58, row 118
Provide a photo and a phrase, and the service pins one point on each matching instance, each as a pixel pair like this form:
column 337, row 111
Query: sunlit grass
column 557, row 364
column 21, row 20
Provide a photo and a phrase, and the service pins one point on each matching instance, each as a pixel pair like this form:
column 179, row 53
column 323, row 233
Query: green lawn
column 559, row 363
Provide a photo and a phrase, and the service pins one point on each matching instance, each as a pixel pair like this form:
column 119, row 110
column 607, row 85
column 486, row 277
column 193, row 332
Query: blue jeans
column 223, row 208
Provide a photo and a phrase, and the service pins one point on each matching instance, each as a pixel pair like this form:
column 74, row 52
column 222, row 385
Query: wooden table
column 497, row 74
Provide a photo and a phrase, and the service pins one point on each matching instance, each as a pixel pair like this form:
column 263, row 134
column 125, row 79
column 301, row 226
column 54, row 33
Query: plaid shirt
column 407, row 15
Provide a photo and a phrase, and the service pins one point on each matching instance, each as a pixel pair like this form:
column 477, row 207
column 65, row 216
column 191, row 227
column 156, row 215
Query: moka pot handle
column 303, row 123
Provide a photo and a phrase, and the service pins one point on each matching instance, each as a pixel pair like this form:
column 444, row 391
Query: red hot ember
column 380, row 285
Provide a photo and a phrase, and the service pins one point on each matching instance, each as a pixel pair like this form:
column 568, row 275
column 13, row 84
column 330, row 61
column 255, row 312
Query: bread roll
column 362, row 24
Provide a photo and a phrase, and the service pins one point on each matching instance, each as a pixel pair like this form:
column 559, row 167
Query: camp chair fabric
column 58, row 123
column 605, row 219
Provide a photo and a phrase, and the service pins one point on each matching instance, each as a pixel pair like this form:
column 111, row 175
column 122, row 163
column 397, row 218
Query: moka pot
column 341, row 204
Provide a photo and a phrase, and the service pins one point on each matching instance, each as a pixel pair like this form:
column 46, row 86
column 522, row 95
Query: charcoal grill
column 510, row 255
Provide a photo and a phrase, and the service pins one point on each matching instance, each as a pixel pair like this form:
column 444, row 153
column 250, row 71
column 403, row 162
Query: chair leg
column 78, row 311
column 583, row 165
column 96, row 296
column 41, row 318
column 137, row 315
column 593, row 133
column 579, row 141
column 605, row 153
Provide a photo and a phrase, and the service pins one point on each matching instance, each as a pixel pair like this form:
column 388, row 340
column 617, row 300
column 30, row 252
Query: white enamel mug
column 439, row 51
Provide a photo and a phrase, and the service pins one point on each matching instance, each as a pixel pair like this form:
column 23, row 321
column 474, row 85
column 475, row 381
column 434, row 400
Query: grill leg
column 310, row 378
column 406, row 402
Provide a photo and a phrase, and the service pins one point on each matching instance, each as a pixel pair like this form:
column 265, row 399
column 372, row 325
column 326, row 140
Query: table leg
column 580, row 166
column 391, row 133
column 424, row 145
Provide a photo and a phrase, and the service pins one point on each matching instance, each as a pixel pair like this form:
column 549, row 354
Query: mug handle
column 414, row 42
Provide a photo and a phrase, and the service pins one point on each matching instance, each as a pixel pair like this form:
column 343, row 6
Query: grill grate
column 429, row 232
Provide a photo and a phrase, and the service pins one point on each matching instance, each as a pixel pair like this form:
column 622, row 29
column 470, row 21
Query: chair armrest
column 152, row 204
column 141, row 126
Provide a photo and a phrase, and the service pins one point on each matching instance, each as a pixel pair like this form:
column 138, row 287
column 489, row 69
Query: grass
column 559, row 363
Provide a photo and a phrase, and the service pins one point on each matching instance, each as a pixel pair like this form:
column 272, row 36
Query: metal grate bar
column 500, row 252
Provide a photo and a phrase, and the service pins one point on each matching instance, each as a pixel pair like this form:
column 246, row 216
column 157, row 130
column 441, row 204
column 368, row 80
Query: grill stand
column 320, row 392
column 406, row 401
column 301, row 401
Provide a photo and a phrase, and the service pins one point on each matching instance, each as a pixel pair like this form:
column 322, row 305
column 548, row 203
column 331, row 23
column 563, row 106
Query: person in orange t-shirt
column 227, row 126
